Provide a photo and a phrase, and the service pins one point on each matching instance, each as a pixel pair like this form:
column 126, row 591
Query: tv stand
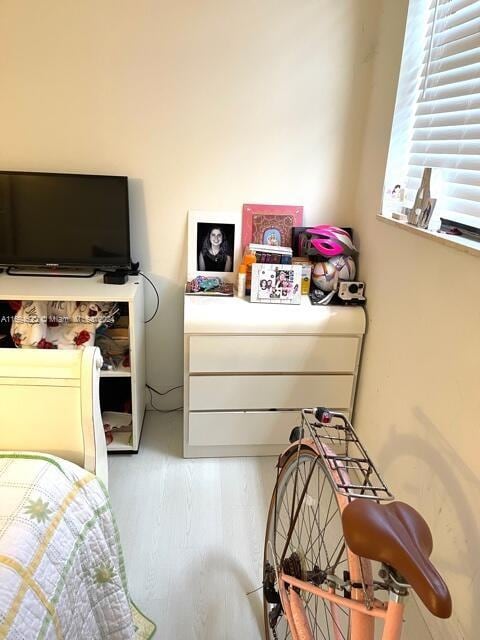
column 46, row 272
column 117, row 385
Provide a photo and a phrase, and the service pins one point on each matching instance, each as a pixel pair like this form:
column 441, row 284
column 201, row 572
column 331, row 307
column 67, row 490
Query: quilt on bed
column 61, row 565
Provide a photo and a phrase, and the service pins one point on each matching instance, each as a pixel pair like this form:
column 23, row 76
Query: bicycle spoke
column 334, row 622
column 341, row 544
column 316, row 540
column 325, row 611
column 321, row 536
column 283, row 529
column 304, row 480
column 316, row 626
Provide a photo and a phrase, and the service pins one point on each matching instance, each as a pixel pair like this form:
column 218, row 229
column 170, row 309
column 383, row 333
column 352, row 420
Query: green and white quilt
column 62, row 574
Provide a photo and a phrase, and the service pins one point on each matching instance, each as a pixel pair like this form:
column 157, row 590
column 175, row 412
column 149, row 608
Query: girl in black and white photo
column 216, row 252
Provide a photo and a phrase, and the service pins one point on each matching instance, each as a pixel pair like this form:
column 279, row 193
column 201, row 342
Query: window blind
column 437, row 114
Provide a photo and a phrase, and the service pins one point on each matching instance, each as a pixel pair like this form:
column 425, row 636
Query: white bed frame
column 49, row 403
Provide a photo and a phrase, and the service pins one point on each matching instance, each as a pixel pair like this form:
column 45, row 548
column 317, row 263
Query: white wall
column 202, row 104
column 418, row 403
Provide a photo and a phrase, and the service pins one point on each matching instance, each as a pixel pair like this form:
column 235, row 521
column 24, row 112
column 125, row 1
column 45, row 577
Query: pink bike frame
column 362, row 617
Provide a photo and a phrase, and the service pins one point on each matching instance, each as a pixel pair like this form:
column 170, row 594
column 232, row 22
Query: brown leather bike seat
column 398, row 536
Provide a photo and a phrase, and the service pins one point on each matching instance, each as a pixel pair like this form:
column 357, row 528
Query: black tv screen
column 60, row 219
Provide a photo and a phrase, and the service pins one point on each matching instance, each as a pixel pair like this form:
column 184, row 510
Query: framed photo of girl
column 213, row 244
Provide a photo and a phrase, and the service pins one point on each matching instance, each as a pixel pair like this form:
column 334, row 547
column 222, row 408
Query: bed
column 62, row 573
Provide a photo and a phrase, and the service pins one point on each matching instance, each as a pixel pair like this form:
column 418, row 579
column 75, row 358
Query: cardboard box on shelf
column 306, row 273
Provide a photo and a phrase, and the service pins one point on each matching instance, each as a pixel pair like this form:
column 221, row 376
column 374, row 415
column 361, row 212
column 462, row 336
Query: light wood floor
column 192, row 533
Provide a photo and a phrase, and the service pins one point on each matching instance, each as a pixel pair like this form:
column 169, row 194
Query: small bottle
column 248, row 259
column 242, row 280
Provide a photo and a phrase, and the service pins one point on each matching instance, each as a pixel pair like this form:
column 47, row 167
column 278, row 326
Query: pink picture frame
column 270, row 224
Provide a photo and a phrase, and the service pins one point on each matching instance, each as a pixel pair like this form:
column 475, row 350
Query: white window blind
column 437, row 114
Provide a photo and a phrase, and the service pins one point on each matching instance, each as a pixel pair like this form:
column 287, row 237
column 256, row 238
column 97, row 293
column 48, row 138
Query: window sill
column 456, row 242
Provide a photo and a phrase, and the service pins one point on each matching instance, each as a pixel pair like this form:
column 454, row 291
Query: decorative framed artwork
column 213, row 244
column 269, row 224
column 276, row 283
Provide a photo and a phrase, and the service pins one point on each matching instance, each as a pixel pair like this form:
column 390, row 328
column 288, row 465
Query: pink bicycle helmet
column 331, row 241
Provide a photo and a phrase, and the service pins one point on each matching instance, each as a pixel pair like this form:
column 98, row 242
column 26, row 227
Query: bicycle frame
column 363, row 619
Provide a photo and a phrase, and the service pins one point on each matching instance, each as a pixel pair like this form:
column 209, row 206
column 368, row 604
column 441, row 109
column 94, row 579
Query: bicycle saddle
column 398, row 536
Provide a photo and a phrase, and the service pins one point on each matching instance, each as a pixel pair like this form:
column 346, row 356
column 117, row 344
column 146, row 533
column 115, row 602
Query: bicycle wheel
column 316, row 552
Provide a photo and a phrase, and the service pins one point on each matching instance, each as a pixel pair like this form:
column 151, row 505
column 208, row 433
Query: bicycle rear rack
column 349, row 467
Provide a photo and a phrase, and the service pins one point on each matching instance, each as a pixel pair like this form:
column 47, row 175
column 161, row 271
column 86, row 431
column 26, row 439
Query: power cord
column 161, row 410
column 164, row 393
column 156, row 293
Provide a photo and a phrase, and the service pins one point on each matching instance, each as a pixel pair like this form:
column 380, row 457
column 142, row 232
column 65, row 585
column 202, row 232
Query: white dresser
column 249, row 368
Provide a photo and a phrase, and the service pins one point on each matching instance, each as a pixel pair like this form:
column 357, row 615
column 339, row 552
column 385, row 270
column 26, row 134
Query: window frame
column 411, row 81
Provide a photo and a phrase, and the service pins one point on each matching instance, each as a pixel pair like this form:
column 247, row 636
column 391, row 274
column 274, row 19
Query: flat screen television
column 64, row 220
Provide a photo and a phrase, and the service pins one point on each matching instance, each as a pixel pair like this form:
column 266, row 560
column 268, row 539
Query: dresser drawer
column 232, row 354
column 242, row 428
column 269, row 392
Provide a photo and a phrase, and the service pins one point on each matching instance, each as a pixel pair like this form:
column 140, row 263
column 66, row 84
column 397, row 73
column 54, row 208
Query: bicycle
column 331, row 516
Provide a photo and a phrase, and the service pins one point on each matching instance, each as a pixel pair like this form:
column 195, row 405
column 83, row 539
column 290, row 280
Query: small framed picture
column 276, row 283
column 213, row 244
column 269, row 224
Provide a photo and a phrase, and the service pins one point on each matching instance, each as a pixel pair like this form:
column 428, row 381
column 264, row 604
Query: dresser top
column 215, row 315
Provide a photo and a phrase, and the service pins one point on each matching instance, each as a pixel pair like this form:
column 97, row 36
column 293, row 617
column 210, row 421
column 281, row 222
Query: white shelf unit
column 250, row 368
column 94, row 289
